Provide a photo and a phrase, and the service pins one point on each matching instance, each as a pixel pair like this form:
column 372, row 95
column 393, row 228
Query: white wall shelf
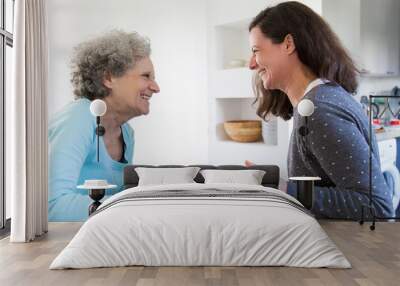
column 226, row 140
column 232, row 83
column 232, row 43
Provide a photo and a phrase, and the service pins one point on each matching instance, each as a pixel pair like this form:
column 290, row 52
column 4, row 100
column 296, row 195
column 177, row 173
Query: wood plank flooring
column 375, row 257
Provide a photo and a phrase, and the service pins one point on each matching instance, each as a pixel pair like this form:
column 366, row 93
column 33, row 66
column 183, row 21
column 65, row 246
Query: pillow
column 165, row 176
column 248, row 177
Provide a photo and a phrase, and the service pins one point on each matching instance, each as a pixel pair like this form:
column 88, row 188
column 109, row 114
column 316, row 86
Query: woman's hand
column 248, row 163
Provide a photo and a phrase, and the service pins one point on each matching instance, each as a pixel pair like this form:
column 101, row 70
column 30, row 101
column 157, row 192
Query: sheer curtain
column 26, row 119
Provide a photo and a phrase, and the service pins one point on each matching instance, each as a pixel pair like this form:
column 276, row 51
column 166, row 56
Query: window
column 6, row 44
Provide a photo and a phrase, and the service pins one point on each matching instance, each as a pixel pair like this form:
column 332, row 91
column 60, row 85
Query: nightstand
column 305, row 190
column 97, row 190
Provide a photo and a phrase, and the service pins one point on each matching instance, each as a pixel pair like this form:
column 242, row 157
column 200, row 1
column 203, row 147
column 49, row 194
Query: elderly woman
column 296, row 55
column 116, row 68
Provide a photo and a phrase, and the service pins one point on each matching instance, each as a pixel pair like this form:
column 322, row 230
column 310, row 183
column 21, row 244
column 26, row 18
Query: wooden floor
column 375, row 257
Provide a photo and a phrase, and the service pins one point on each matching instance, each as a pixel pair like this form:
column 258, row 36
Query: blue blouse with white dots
column 337, row 150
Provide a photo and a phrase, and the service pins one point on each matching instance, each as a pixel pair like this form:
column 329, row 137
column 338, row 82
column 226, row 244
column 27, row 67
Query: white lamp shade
column 98, row 107
column 305, row 107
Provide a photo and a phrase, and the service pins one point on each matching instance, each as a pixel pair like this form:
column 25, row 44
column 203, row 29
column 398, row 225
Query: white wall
column 180, row 128
column 175, row 131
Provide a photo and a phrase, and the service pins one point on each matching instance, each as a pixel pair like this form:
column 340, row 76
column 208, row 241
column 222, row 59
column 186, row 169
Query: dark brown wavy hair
column 317, row 47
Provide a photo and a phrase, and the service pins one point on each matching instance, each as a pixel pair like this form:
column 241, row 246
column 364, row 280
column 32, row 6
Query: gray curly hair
column 113, row 53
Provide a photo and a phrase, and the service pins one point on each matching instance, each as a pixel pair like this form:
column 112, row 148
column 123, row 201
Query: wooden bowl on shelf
column 243, row 130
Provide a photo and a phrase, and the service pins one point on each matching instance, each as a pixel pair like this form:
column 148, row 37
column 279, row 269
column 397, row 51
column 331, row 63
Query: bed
column 201, row 224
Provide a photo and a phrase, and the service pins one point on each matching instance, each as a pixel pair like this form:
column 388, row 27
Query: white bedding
column 200, row 231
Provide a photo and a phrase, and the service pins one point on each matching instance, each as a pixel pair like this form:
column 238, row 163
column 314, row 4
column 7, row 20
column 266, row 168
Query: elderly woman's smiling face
column 132, row 91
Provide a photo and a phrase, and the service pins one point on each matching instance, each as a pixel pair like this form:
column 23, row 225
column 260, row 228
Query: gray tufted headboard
column 270, row 179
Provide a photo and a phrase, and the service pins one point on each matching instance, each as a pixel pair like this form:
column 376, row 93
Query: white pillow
column 248, row 177
column 165, row 176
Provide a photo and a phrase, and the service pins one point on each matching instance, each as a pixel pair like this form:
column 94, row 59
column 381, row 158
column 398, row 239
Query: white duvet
column 200, row 231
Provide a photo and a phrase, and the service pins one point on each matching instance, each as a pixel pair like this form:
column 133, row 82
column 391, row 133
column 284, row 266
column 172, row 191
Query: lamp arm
column 100, row 131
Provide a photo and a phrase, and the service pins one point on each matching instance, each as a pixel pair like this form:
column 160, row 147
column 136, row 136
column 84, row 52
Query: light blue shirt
column 73, row 159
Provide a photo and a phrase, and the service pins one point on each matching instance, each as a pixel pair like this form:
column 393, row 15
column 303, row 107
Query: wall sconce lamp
column 98, row 108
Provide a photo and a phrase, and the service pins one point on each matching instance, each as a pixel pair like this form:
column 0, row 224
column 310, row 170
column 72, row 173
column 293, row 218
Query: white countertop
column 389, row 133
